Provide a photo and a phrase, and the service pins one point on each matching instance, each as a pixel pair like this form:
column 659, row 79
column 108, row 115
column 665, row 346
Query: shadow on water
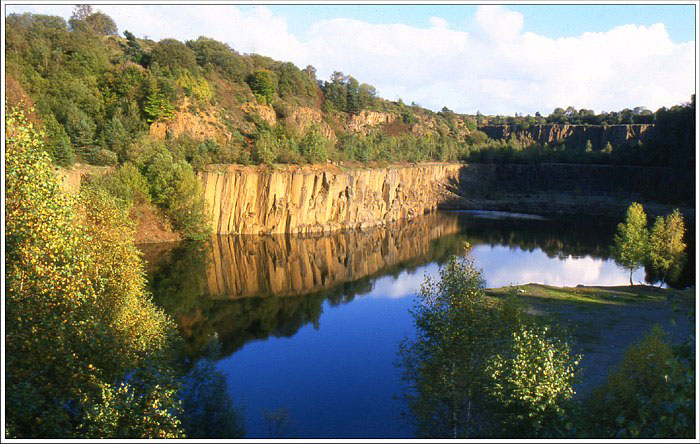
column 246, row 288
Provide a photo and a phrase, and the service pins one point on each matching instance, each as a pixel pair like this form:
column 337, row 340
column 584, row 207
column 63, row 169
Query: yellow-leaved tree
column 87, row 353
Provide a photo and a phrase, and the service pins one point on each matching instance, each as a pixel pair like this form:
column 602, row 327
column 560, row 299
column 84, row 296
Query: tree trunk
column 631, row 283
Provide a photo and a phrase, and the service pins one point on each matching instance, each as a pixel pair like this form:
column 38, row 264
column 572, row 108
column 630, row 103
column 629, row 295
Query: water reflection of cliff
column 253, row 266
column 250, row 287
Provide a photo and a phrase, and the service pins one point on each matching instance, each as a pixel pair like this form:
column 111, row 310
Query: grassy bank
column 604, row 321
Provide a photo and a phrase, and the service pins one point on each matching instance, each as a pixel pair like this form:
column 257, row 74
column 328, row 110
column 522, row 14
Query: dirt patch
column 152, row 226
column 605, row 321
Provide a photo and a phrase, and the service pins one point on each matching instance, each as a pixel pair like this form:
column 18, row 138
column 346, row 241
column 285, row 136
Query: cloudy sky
column 489, row 58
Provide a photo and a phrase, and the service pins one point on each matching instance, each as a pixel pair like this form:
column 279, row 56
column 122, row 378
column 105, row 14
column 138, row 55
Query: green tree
column 175, row 188
column 58, row 143
column 631, row 242
column 157, row 105
column 212, row 54
column 134, row 51
column 78, row 319
column 262, row 83
column 313, row 145
column 174, row 55
column 101, row 23
column 265, row 149
column 533, row 383
column 456, row 333
column 666, row 246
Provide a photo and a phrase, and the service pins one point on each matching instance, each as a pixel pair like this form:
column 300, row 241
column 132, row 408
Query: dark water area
column 309, row 326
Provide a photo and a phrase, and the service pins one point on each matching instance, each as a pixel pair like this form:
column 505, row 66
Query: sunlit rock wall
column 319, row 198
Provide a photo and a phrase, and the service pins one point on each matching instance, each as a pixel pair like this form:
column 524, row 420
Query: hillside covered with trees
column 161, row 111
column 106, row 98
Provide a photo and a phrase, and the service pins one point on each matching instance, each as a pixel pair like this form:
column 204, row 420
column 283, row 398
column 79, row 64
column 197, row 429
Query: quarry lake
column 309, row 327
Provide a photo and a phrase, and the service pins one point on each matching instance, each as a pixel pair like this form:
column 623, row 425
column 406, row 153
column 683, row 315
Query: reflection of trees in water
column 556, row 238
column 180, row 276
column 561, row 238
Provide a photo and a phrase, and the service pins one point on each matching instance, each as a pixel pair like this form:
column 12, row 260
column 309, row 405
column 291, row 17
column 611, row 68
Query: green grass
column 592, row 296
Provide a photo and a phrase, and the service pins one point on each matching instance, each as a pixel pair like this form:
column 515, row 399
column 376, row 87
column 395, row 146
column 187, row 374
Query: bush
column 314, row 145
column 650, row 395
column 126, row 184
column 265, row 149
column 76, row 316
column 104, row 157
column 532, row 383
column 175, row 188
column 263, row 85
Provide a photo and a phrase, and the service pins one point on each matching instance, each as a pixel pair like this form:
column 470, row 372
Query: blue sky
column 553, row 21
column 497, row 59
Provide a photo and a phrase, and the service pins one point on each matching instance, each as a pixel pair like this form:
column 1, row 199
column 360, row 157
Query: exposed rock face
column 266, row 112
column 203, row 125
column 311, row 199
column 301, row 118
column 252, row 266
column 575, row 136
column 365, row 120
column 72, row 176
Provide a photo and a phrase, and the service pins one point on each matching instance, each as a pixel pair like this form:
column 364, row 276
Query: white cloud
column 506, row 266
column 498, row 22
column 497, row 68
column 439, row 22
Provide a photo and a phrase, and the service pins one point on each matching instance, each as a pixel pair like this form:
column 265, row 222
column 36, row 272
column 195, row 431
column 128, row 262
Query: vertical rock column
column 312, row 199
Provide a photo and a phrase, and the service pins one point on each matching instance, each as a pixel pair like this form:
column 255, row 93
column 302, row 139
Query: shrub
column 263, row 85
column 265, row 149
column 126, row 184
column 77, row 318
column 175, row 188
column 196, row 87
column 532, row 382
column 104, row 157
column 650, row 395
column 314, row 145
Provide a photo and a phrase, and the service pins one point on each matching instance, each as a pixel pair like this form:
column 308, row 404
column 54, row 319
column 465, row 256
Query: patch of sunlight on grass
column 590, row 295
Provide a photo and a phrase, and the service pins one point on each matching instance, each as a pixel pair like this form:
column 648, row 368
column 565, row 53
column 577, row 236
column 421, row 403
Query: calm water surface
column 310, row 326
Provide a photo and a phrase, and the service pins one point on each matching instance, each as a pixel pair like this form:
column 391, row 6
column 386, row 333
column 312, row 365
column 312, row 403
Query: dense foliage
column 87, row 352
column 651, row 394
column 661, row 251
column 77, row 318
column 480, row 368
column 484, row 368
column 97, row 93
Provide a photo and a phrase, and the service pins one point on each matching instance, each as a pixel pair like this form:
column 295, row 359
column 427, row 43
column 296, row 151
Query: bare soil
column 152, row 226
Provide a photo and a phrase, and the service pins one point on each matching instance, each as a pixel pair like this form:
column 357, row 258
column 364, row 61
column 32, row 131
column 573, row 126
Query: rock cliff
column 325, row 198
column 574, row 136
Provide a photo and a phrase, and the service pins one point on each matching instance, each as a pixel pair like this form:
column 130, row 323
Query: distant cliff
column 574, row 136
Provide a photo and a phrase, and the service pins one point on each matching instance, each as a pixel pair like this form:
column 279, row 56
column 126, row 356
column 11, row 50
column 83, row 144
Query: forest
column 96, row 93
